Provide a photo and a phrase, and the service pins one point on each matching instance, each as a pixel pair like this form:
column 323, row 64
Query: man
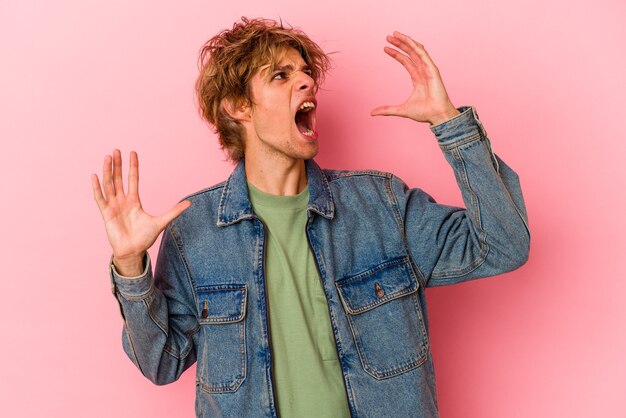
column 300, row 291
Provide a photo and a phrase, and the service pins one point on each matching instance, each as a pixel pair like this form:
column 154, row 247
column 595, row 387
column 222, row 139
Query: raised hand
column 429, row 101
column 131, row 231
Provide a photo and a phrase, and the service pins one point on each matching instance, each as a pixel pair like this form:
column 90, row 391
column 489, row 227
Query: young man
column 300, row 291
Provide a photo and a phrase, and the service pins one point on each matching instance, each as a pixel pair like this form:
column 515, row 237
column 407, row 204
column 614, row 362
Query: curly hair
column 230, row 59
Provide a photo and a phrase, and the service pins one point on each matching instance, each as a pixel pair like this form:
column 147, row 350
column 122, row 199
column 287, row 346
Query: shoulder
column 360, row 178
column 380, row 182
column 206, row 194
column 338, row 175
column 361, row 185
column 203, row 211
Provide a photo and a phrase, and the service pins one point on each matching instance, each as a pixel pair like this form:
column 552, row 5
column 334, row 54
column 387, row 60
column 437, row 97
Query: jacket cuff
column 132, row 287
column 460, row 129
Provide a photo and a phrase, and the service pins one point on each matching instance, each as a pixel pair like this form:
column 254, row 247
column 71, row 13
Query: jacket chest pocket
column 385, row 318
column 222, row 348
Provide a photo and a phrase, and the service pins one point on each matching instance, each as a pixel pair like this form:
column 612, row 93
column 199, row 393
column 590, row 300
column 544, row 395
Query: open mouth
column 305, row 118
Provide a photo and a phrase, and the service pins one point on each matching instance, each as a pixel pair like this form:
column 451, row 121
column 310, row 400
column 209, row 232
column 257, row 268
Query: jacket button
column 379, row 291
column 205, row 310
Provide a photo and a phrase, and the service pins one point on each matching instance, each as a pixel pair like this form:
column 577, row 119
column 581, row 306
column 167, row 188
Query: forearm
column 156, row 340
column 495, row 210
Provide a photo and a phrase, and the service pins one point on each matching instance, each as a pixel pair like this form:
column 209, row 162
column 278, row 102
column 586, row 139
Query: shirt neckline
column 260, row 198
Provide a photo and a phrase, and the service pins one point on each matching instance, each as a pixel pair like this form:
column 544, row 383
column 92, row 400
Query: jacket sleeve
column 159, row 314
column 491, row 235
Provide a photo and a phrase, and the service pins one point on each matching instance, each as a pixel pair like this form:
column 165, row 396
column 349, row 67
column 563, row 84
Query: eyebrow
column 289, row 68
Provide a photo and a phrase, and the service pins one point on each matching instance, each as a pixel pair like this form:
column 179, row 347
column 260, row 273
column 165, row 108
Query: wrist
column 444, row 117
column 129, row 266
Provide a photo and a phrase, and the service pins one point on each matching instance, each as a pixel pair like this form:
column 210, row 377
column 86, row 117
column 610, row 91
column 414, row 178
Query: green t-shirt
column 306, row 370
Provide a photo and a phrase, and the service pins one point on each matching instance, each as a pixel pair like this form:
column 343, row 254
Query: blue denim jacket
column 377, row 244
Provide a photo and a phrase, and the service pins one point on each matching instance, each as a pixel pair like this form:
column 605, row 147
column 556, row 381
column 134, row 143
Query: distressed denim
column 377, row 244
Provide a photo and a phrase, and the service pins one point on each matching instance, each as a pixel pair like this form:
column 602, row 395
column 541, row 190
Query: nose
column 305, row 81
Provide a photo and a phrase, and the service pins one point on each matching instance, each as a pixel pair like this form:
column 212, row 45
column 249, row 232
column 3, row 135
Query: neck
column 280, row 178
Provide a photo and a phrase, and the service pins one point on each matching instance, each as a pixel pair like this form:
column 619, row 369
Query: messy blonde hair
column 230, row 59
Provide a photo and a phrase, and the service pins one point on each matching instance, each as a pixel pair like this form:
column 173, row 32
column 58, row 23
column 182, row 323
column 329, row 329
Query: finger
column 109, row 190
column 97, row 193
column 133, row 174
column 388, row 111
column 173, row 213
column 416, row 51
column 118, row 181
column 404, row 60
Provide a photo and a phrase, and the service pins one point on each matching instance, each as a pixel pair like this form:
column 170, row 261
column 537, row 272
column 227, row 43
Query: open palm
column 429, row 101
column 130, row 229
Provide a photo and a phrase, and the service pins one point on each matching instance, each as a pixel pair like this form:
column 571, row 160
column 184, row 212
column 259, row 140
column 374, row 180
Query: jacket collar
column 235, row 203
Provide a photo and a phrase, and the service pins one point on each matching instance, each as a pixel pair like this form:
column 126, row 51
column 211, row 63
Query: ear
column 239, row 112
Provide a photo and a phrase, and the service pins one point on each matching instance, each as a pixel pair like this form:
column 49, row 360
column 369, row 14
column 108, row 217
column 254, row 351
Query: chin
column 310, row 153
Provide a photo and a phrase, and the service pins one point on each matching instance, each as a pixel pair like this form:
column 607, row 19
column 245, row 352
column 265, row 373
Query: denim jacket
column 377, row 245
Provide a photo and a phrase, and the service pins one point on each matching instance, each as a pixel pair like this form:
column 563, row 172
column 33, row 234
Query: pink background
column 78, row 78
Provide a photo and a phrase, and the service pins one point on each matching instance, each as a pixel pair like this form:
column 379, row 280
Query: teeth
column 307, row 105
column 308, row 132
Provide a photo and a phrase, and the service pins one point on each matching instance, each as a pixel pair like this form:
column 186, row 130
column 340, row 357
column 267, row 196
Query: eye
column 308, row 72
column 281, row 75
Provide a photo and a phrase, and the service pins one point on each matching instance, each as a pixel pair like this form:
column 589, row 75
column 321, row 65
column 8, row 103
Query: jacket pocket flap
column 221, row 304
column 381, row 284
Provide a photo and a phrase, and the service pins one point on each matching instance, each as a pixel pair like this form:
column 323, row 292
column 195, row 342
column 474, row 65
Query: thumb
column 173, row 213
column 387, row 111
